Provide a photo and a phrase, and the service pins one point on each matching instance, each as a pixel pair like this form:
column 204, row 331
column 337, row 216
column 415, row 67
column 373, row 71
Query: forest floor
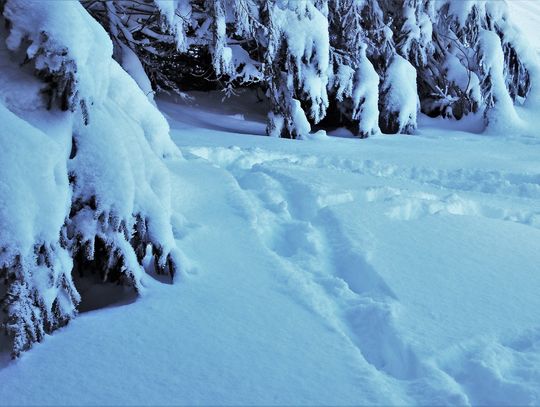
column 393, row 270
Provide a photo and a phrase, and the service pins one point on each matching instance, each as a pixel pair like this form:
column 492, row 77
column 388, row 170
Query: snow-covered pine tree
column 357, row 31
column 78, row 193
column 296, row 66
column 471, row 41
column 362, row 58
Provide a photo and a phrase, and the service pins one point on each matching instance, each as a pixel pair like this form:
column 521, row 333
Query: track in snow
column 331, row 271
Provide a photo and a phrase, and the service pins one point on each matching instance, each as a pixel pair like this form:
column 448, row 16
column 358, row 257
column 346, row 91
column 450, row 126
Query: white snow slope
column 394, row 270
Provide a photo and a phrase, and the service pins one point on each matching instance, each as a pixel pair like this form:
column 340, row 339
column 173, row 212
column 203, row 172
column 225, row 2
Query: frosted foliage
column 98, row 171
column 466, row 80
column 167, row 8
column 222, row 54
column 501, row 77
column 417, row 32
column 121, row 167
column 243, row 10
column 359, row 91
column 462, row 9
column 183, row 10
column 342, row 80
column 41, row 295
column 176, row 16
column 35, row 266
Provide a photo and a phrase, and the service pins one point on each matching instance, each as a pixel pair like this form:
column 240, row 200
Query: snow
column 393, row 271
column 525, row 13
column 398, row 270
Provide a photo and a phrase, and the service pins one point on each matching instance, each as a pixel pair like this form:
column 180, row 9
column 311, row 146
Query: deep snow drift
column 395, row 270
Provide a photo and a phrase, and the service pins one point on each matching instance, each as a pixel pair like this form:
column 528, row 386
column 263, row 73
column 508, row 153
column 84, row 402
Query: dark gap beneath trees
column 100, row 281
column 5, row 347
column 96, row 294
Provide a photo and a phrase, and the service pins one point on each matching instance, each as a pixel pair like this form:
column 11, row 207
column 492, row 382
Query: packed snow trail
column 227, row 334
column 444, row 249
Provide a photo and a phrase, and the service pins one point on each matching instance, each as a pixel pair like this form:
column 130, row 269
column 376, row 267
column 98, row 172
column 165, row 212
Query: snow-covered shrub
column 399, row 97
column 85, row 186
column 296, row 61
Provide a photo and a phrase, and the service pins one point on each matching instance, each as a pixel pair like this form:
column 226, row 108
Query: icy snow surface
column 394, row 270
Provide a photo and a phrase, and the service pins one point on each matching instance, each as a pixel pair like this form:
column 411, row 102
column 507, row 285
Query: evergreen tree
column 356, row 34
column 107, row 211
column 296, row 66
column 318, row 57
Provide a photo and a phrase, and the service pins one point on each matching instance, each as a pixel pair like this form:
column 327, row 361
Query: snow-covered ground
column 394, row 270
